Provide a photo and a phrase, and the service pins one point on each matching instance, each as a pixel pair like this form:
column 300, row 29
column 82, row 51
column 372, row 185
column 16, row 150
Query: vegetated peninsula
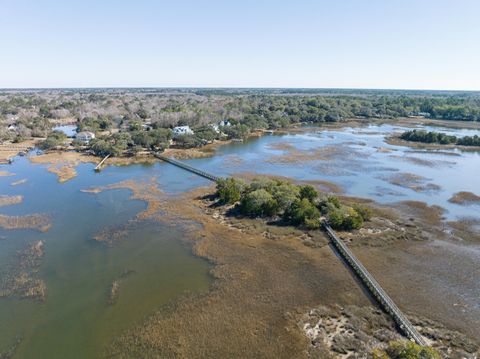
column 137, row 121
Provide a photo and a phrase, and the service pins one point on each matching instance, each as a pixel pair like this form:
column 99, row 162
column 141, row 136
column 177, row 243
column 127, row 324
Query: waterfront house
column 85, row 136
column 182, row 130
column 224, row 123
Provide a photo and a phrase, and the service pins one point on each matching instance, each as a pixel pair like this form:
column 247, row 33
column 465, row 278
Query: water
column 68, row 130
column 76, row 321
column 363, row 164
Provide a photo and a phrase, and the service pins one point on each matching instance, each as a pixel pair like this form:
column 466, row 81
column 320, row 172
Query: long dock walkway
column 187, row 167
column 365, row 277
column 99, row 166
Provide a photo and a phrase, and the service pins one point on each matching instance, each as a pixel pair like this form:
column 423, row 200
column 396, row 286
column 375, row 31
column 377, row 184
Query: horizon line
column 3, row 89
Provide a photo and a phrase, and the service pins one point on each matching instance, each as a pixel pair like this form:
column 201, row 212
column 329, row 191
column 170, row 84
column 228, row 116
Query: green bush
column 301, row 212
column 229, row 190
column 343, row 217
column 54, row 139
column 188, row 141
column 114, row 145
column 404, row 349
column 364, row 212
column 258, row 203
column 308, row 192
column 285, row 194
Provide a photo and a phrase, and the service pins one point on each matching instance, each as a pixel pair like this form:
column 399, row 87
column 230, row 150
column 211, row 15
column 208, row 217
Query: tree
column 230, row 190
column 285, row 194
column 239, row 131
column 54, row 139
column 308, row 192
column 188, row 141
column 303, row 212
column 344, row 218
column 206, row 133
column 258, row 203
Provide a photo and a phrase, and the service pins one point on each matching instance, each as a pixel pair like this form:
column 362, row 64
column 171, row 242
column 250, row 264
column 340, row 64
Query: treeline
column 294, row 204
column 440, row 138
column 32, row 113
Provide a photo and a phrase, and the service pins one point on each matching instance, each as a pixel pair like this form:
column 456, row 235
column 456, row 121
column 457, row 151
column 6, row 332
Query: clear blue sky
column 416, row 44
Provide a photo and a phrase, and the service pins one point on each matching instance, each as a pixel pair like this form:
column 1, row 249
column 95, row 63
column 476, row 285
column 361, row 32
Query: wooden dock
column 99, row 166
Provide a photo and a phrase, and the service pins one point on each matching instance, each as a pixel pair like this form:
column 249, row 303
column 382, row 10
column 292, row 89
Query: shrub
column 285, row 194
column 308, row 192
column 404, row 349
column 303, row 212
column 54, row 139
column 229, row 190
column 258, row 203
column 364, row 212
column 340, row 216
column 188, row 141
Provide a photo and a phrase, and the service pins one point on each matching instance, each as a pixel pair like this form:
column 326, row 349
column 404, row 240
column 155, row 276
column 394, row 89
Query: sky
column 393, row 44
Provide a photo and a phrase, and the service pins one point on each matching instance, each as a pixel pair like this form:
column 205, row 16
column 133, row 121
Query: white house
column 182, row 130
column 224, row 123
column 85, row 136
column 215, row 127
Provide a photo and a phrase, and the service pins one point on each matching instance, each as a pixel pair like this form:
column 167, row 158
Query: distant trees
column 114, row 145
column 238, row 131
column 246, row 110
column 441, row 138
column 94, row 124
column 297, row 205
column 189, row 141
column 206, row 133
column 53, row 140
column 155, row 139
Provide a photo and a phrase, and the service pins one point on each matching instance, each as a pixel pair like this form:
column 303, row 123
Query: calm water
column 68, row 130
column 361, row 164
column 75, row 319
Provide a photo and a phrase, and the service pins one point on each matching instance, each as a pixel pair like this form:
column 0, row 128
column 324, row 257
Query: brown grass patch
column 422, row 162
column 32, row 221
column 22, row 280
column 9, row 150
column 9, row 200
column 63, row 163
column 465, row 198
column 412, row 181
column 327, row 153
column 466, row 228
column 64, row 172
column 432, row 215
column 189, row 153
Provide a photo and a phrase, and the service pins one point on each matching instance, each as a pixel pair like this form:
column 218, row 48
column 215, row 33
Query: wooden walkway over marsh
column 342, row 249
